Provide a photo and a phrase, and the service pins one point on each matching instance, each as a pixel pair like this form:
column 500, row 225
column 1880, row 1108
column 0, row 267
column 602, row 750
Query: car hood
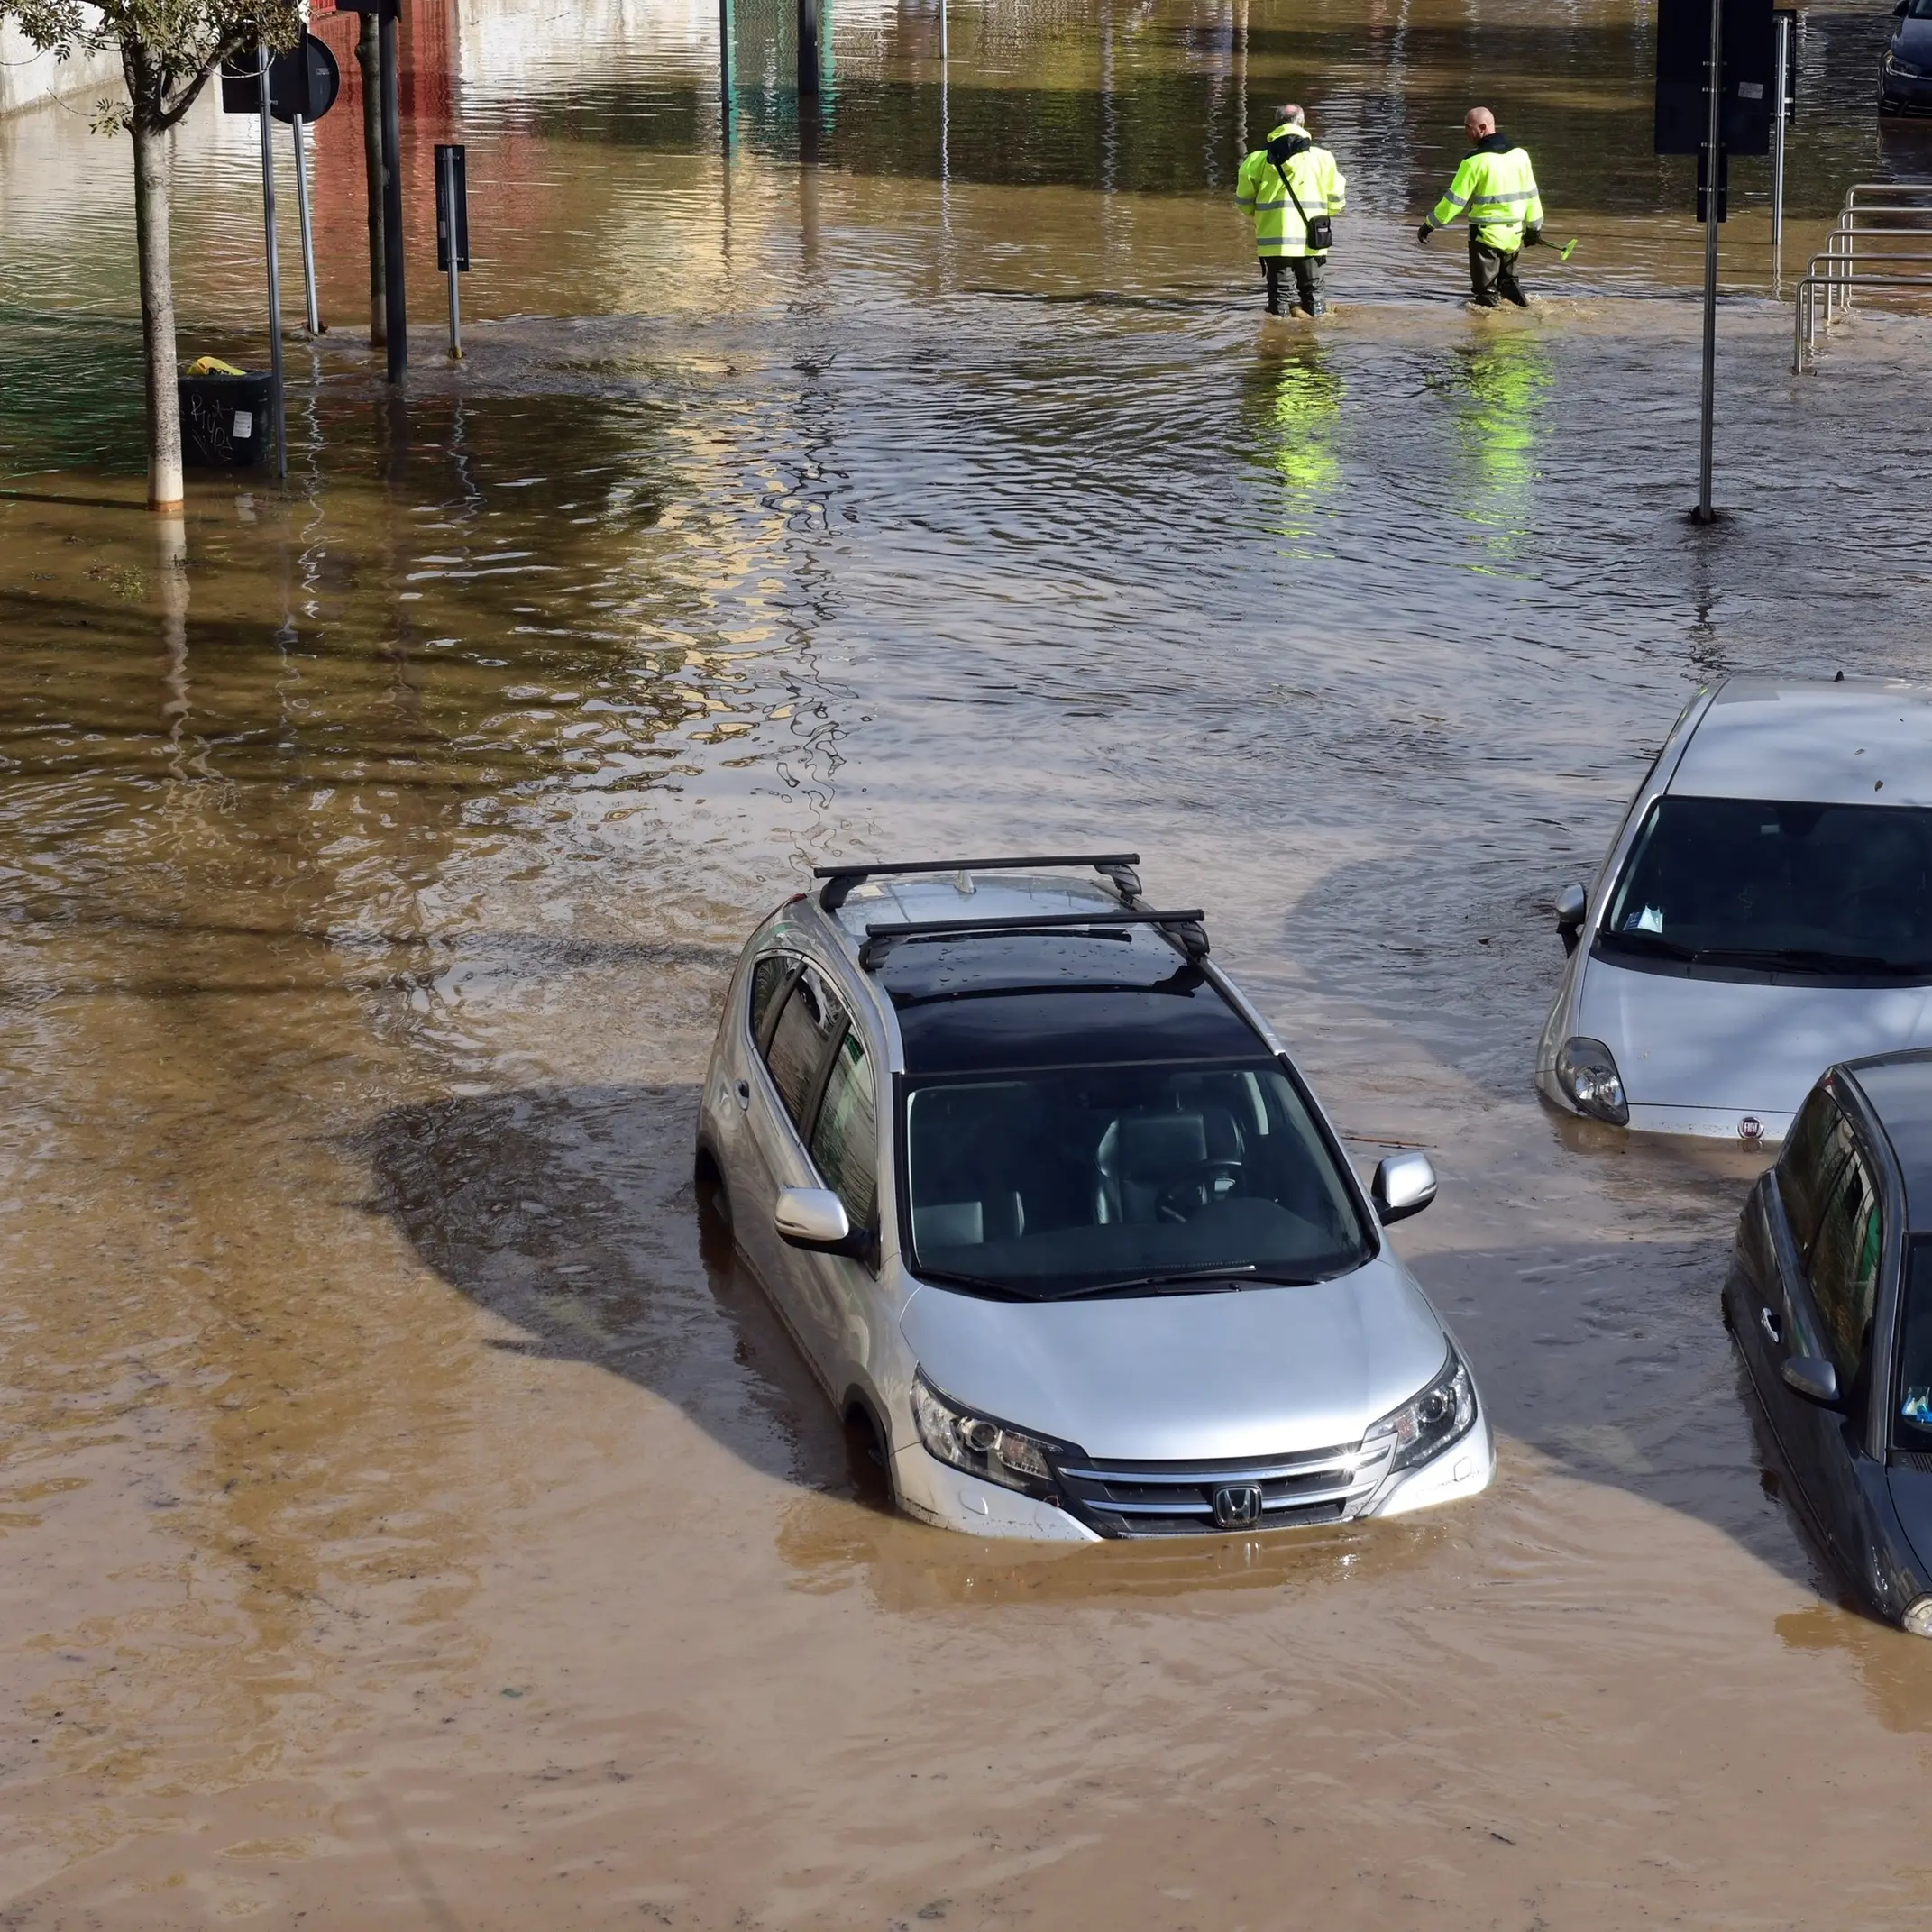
column 1912, row 42
column 1751, row 1048
column 1263, row 1371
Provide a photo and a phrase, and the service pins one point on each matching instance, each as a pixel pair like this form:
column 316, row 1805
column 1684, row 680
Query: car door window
column 845, row 1138
column 767, row 981
column 1815, row 1152
column 1911, row 1423
column 810, row 1018
column 1844, row 1264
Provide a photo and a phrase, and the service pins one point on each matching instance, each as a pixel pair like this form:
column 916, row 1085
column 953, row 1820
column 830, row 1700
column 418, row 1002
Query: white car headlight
column 1918, row 1618
column 1586, row 1070
column 980, row 1446
column 1426, row 1424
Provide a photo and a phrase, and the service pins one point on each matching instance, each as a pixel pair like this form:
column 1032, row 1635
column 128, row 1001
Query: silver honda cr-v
column 1047, row 1208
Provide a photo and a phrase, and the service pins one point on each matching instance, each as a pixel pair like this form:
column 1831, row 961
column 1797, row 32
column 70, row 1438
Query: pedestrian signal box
column 1748, row 82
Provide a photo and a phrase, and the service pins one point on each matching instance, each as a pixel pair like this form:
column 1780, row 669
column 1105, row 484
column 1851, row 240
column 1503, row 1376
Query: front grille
column 1120, row 1498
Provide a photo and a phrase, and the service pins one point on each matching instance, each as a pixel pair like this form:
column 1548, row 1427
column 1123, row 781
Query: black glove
column 1425, row 231
column 1532, row 238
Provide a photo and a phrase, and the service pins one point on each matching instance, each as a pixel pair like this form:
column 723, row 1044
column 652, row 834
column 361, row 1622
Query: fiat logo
column 1751, row 1128
column 1238, row 1506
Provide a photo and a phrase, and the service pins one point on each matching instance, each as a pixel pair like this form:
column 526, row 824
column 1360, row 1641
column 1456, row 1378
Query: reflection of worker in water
column 1496, row 187
column 1294, row 406
column 1294, row 191
column 1504, row 379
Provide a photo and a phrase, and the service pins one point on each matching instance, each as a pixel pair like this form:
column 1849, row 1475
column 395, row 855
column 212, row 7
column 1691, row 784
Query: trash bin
column 228, row 422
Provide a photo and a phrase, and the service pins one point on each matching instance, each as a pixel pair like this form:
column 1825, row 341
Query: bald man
column 1496, row 187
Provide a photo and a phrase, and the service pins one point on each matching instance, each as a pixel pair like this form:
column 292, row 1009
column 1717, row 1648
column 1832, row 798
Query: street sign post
column 275, row 277
column 1715, row 84
column 453, row 230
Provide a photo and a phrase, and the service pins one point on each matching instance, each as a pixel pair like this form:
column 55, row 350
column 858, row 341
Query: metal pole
column 395, row 300
column 1783, row 23
column 448, row 161
column 274, row 278
column 808, row 47
column 724, row 60
column 1713, row 160
column 942, row 32
column 308, row 239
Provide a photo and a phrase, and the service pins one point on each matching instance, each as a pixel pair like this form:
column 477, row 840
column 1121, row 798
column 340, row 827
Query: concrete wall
column 27, row 77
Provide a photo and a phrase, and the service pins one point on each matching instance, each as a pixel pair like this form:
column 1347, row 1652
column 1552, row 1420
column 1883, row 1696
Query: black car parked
column 1905, row 74
column 1829, row 1299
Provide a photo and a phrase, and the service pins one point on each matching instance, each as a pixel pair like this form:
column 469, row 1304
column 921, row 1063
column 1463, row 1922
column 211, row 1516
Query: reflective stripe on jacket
column 1496, row 187
column 1258, row 191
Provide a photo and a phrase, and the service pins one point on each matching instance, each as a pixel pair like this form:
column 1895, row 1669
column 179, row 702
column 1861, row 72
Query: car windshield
column 1750, row 882
column 1137, row 1179
column 1918, row 9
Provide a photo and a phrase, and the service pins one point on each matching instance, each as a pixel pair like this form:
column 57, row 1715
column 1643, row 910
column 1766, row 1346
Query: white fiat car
column 1764, row 912
column 1051, row 1213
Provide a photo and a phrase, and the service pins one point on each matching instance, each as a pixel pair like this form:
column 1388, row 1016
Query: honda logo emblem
column 1238, row 1506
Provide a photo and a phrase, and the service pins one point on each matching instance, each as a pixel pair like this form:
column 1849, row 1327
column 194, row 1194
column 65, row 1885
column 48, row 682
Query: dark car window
column 767, row 978
column 1817, row 1146
column 1919, row 9
column 1778, row 884
column 1052, row 1182
column 807, row 1022
column 1844, row 1264
column 1912, row 1414
column 845, row 1138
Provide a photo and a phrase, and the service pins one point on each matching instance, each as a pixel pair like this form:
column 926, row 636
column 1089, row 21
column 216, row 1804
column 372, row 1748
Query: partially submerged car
column 1830, row 1298
column 1764, row 910
column 1051, row 1213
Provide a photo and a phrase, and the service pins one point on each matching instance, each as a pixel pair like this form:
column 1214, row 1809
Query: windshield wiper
column 1003, row 1291
column 1184, row 1281
column 1814, row 958
column 1648, row 942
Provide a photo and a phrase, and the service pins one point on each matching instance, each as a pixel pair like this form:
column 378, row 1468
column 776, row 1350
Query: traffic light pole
column 1713, row 175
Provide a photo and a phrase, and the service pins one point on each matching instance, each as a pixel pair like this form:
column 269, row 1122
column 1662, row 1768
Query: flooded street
column 413, row 1517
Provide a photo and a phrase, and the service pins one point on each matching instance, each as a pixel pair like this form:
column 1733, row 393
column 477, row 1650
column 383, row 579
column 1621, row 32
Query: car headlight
column 1426, row 1424
column 1918, row 1618
column 1903, row 68
column 1586, row 1070
column 979, row 1445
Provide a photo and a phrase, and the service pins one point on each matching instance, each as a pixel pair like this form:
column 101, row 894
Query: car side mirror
column 1403, row 1185
column 814, row 1219
column 1898, row 12
column 1817, row 1381
column 1572, row 903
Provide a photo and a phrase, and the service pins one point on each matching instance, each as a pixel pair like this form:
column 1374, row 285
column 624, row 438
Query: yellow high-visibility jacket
column 1496, row 187
column 1260, row 191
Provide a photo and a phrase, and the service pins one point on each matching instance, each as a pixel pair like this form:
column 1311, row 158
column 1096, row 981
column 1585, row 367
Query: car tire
column 714, row 1198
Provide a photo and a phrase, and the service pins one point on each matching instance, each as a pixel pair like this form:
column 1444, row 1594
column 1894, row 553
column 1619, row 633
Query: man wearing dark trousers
column 1496, row 188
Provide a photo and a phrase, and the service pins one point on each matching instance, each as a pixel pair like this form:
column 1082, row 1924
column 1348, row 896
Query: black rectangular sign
column 452, row 187
column 1749, row 76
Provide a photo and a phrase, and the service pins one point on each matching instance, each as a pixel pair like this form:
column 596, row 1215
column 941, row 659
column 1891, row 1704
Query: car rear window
column 1061, row 1180
column 1778, row 884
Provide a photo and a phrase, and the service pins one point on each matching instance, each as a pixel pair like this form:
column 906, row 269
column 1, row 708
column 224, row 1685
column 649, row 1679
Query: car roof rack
column 1185, row 929
column 1117, row 866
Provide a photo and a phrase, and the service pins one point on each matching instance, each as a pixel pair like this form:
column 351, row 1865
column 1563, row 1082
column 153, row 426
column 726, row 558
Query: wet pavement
column 413, row 1516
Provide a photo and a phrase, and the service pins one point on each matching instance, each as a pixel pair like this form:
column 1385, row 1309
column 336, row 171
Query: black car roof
column 1898, row 1088
column 1017, row 1000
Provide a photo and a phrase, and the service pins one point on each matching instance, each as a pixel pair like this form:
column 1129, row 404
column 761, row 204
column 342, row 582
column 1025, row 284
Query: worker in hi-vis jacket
column 1294, row 191
column 1496, row 188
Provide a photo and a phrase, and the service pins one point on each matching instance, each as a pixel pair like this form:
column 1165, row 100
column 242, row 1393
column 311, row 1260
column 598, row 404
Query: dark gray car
column 1830, row 1298
column 1905, row 74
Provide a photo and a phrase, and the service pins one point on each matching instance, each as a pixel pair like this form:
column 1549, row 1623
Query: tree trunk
column 153, row 162
column 369, row 59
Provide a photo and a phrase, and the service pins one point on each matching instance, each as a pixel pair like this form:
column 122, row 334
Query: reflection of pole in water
column 170, row 564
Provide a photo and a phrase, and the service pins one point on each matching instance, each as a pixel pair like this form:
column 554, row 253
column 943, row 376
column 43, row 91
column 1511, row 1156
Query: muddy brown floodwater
column 410, row 1519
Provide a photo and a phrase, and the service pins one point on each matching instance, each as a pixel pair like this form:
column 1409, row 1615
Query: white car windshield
column 1828, row 889
column 1138, row 1179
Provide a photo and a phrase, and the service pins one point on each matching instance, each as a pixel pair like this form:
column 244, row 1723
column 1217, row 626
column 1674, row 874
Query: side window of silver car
column 845, row 1138
column 768, row 976
column 812, row 1017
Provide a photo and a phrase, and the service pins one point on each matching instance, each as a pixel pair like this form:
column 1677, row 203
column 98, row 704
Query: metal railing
column 1881, row 211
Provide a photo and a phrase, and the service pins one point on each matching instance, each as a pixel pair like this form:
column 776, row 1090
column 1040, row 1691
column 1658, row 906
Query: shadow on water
column 570, row 1214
